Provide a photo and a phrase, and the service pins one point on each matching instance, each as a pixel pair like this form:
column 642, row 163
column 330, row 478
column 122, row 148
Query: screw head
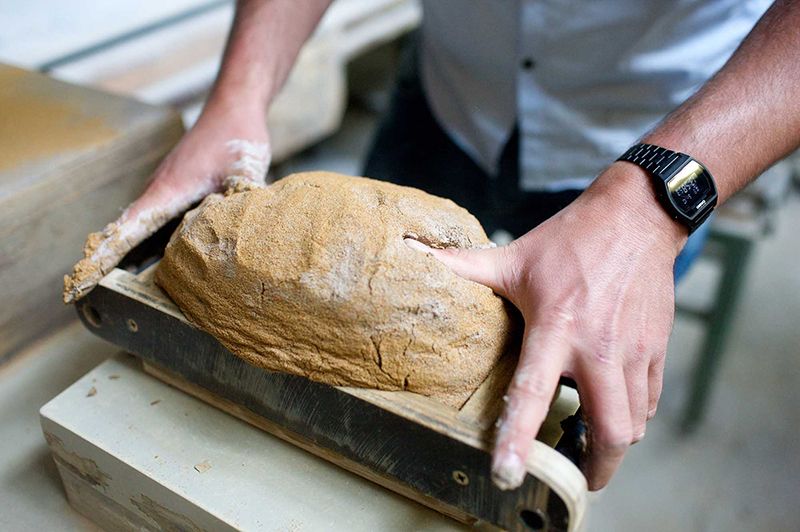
column 460, row 478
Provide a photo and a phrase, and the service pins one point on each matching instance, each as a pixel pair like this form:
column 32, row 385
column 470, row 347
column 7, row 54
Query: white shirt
column 600, row 74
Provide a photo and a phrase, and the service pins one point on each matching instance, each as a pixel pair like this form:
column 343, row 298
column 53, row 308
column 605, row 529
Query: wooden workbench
column 134, row 454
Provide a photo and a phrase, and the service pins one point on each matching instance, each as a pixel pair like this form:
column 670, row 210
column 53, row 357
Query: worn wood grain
column 70, row 159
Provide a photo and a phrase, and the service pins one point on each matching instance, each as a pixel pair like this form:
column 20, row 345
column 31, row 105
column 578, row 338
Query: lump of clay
column 311, row 276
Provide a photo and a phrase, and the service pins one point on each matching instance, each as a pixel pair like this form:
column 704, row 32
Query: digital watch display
column 683, row 185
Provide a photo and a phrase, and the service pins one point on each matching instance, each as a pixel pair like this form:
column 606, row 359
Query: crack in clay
column 379, row 358
column 410, row 341
column 377, row 346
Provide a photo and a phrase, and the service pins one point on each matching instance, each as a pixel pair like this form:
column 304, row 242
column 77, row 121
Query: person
column 519, row 110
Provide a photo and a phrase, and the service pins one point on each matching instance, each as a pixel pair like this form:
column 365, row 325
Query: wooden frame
column 413, row 445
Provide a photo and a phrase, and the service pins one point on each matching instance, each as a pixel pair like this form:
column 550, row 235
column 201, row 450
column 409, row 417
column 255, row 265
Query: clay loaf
column 311, row 276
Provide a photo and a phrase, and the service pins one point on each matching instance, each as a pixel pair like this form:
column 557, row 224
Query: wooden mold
column 413, row 445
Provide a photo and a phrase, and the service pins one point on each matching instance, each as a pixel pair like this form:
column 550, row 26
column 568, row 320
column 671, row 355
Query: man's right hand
column 228, row 146
column 229, row 141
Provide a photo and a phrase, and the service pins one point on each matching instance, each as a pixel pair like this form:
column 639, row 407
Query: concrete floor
column 31, row 497
column 739, row 471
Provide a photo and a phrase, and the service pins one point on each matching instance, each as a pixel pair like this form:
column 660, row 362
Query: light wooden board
column 70, row 159
column 136, row 454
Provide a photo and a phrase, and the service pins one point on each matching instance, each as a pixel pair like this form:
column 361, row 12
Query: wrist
column 225, row 118
column 229, row 101
column 624, row 193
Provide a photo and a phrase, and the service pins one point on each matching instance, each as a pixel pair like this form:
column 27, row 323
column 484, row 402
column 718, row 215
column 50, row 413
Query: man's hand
column 595, row 282
column 595, row 286
column 229, row 146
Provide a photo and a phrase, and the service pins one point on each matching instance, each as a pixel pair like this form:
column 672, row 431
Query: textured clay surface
column 311, row 276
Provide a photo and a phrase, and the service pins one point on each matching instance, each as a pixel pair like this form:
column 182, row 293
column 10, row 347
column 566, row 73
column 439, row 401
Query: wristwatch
column 684, row 187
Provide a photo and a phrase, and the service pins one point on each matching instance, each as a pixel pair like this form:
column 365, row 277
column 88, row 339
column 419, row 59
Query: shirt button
column 528, row 63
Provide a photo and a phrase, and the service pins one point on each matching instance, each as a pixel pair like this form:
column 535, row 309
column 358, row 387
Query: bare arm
column 747, row 116
column 595, row 282
column 263, row 44
column 229, row 140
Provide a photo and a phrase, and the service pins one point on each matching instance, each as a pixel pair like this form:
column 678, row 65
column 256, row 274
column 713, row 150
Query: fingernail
column 639, row 437
column 651, row 413
column 416, row 245
column 508, row 471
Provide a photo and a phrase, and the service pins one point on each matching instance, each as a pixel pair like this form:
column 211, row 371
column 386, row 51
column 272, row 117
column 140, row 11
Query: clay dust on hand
column 103, row 250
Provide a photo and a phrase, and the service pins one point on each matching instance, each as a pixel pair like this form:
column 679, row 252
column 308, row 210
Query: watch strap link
column 654, row 159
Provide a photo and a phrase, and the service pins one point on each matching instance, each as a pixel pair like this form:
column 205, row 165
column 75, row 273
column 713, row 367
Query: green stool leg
column 735, row 257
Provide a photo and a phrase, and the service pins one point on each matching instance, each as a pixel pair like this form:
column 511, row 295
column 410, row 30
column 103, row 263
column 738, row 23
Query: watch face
column 690, row 188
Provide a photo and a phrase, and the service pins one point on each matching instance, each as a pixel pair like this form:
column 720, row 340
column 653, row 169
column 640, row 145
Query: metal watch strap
column 662, row 164
column 654, row 159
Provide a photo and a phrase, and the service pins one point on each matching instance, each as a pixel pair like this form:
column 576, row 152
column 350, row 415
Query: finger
column 478, row 265
column 655, row 378
column 103, row 250
column 636, row 379
column 604, row 398
column 528, row 400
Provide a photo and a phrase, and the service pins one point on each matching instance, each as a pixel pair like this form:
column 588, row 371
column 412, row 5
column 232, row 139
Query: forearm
column 738, row 124
column 264, row 41
column 747, row 116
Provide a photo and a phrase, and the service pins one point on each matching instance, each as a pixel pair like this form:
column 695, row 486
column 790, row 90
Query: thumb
column 481, row 265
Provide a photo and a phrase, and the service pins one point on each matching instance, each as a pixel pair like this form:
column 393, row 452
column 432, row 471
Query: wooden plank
column 237, row 410
column 409, row 443
column 554, row 475
column 70, row 159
